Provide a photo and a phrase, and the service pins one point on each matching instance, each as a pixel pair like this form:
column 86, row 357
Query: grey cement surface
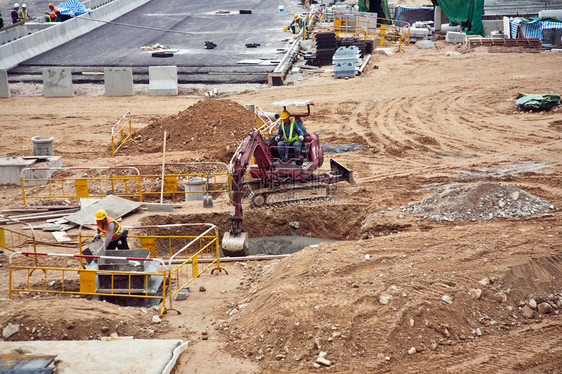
column 115, row 207
column 114, row 45
column 280, row 245
column 94, row 356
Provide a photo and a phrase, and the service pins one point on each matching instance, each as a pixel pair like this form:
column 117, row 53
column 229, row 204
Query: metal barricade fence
column 359, row 25
column 123, row 130
column 13, row 241
column 161, row 241
column 209, row 177
column 51, row 282
column 79, row 280
column 215, row 179
column 188, row 270
column 36, row 185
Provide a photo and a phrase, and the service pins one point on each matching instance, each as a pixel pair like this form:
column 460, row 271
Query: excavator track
column 288, row 195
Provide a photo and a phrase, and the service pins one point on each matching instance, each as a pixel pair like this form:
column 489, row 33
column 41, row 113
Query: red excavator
column 276, row 182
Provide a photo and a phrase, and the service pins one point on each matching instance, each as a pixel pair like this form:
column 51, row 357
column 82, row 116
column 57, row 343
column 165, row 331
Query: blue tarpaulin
column 72, row 8
column 412, row 14
column 531, row 28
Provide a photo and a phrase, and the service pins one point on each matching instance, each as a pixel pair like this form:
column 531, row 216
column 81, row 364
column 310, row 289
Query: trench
column 283, row 230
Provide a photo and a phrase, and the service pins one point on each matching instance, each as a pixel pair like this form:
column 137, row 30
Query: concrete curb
column 39, row 42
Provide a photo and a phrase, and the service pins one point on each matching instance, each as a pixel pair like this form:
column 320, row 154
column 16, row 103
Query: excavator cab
column 295, row 156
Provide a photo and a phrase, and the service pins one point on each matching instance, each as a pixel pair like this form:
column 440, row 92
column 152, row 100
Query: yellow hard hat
column 101, row 215
column 296, row 16
column 285, row 114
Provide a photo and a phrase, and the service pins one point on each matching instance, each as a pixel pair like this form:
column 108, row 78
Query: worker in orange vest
column 115, row 236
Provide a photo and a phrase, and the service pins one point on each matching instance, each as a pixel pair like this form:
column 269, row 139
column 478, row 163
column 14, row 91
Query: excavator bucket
column 341, row 173
column 235, row 246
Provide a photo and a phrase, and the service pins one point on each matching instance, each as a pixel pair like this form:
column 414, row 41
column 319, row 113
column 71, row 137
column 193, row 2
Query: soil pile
column 62, row 318
column 483, row 201
column 352, row 306
column 213, row 127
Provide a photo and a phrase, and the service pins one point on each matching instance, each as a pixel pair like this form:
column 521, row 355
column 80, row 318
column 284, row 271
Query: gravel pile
column 483, row 201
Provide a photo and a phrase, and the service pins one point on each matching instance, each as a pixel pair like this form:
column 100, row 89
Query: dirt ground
column 448, row 257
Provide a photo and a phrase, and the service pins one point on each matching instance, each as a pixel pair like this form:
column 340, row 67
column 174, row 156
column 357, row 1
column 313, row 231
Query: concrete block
column 11, row 168
column 163, row 80
column 118, row 81
column 4, row 86
column 57, row 82
column 455, row 37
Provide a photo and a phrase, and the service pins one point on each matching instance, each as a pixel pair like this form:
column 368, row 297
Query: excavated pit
column 283, row 230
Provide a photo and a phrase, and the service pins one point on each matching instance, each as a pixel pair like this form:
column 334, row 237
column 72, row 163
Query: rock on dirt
column 482, row 201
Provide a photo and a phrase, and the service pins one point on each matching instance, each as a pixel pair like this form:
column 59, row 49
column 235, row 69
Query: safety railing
column 75, row 280
column 121, row 133
column 13, row 241
column 359, row 25
column 211, row 178
column 162, row 241
column 194, row 177
column 188, row 270
column 198, row 254
column 36, row 185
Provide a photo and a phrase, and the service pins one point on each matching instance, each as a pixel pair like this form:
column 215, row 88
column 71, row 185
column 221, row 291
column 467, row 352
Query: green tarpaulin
column 537, row 102
column 467, row 13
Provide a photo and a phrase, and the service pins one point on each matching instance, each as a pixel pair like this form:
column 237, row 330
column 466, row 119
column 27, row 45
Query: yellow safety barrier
column 78, row 280
column 14, row 241
column 188, row 270
column 162, row 241
column 121, row 133
column 127, row 183
column 360, row 25
column 130, row 183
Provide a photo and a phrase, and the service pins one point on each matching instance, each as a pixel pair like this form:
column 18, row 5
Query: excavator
column 274, row 182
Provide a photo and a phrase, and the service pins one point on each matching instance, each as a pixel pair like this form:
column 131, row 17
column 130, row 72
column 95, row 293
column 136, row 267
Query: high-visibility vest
column 104, row 229
column 290, row 138
column 22, row 14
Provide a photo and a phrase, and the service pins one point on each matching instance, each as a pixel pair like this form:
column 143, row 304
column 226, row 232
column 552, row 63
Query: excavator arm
column 235, row 241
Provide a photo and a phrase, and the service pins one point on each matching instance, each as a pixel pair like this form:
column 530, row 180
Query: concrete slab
column 57, row 82
column 118, row 81
column 4, row 86
column 115, row 207
column 163, row 80
column 11, row 168
column 118, row 356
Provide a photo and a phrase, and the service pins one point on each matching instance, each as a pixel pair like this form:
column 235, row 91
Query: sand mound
column 213, row 127
column 483, row 201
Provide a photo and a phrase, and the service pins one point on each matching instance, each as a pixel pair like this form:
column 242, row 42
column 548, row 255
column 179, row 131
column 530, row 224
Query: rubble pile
column 483, row 201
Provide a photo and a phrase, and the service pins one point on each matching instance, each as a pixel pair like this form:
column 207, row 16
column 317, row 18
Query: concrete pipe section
column 186, row 27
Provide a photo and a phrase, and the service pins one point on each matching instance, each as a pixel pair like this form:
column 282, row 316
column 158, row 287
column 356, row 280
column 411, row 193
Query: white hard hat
column 16, row 5
column 24, row 6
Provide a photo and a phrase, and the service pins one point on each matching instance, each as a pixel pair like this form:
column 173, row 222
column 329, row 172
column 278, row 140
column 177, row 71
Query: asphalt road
column 184, row 26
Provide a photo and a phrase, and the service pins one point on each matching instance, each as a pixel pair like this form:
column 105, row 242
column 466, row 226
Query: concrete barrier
column 4, row 86
column 118, row 81
column 57, row 82
column 24, row 48
column 163, row 80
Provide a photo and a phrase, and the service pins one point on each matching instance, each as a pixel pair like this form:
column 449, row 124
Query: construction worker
column 297, row 24
column 291, row 133
column 15, row 13
column 53, row 14
column 115, row 236
column 23, row 16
